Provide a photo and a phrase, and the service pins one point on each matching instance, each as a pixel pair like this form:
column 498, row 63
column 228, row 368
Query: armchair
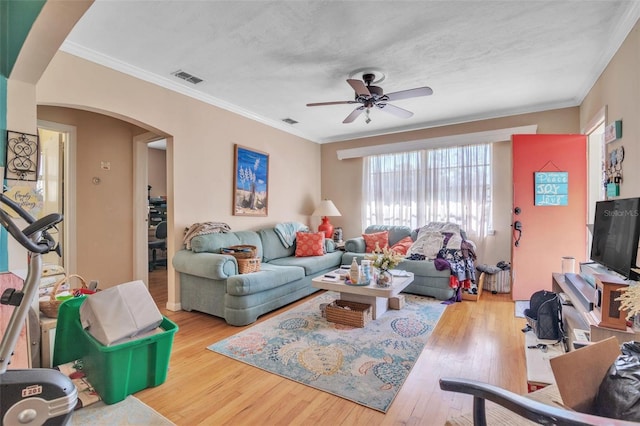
column 160, row 243
column 523, row 407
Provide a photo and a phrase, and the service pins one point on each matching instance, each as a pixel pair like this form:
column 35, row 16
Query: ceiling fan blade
column 411, row 93
column 392, row 109
column 331, row 103
column 359, row 87
column 356, row 112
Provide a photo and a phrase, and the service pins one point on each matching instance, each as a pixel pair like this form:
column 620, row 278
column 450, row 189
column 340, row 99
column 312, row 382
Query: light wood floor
column 476, row 340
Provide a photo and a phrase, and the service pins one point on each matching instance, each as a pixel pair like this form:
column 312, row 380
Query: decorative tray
column 357, row 284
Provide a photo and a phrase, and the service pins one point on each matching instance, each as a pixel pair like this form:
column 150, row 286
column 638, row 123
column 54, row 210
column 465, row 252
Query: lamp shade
column 326, row 208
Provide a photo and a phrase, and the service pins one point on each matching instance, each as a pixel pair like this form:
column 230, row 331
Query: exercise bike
column 37, row 396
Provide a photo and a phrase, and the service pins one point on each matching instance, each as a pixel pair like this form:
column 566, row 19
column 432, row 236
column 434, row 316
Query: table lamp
column 326, row 208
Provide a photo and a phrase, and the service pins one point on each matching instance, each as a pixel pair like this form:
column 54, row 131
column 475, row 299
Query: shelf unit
column 157, row 212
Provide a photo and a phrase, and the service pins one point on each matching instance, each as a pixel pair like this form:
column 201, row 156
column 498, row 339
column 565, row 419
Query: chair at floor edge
column 525, row 407
column 158, row 245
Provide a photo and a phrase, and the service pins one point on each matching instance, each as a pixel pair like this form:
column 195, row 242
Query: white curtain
column 443, row 185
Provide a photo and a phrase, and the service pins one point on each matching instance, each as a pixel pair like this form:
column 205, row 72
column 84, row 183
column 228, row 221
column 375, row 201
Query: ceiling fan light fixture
column 369, row 96
column 378, row 74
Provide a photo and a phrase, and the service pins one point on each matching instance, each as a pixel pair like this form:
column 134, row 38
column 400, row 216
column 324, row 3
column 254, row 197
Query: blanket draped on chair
column 287, row 232
column 202, row 229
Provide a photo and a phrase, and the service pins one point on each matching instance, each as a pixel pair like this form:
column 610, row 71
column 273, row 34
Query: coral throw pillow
column 370, row 240
column 402, row 246
column 309, row 244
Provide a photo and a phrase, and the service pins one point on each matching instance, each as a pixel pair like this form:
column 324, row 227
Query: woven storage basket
column 246, row 266
column 50, row 307
column 243, row 251
column 358, row 314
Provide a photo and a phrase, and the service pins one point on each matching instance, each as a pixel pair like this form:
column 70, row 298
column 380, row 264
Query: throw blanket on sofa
column 446, row 246
column 202, row 229
column 286, row 231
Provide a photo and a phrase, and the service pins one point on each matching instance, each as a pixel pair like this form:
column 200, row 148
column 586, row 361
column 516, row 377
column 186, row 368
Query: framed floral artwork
column 250, row 182
column 21, row 162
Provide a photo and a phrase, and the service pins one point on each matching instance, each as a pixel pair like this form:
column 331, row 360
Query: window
column 444, row 185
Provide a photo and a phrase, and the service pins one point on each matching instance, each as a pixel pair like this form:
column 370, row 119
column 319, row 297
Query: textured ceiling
column 268, row 59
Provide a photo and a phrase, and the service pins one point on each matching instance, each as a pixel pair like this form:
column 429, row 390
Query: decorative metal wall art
column 22, row 156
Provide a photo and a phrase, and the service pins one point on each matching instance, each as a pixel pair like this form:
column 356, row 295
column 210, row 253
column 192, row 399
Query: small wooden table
column 377, row 297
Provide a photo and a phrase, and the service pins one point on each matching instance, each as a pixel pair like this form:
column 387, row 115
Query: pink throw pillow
column 309, row 244
column 402, row 246
column 382, row 238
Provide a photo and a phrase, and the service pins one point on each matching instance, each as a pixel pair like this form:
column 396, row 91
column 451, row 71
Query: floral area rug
column 365, row 365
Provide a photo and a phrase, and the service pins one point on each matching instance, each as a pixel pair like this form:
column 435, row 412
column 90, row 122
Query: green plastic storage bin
column 114, row 371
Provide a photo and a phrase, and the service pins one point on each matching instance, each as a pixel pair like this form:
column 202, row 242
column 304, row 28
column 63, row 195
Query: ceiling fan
column 373, row 96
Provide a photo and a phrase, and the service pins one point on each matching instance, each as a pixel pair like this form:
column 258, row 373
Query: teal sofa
column 427, row 281
column 210, row 282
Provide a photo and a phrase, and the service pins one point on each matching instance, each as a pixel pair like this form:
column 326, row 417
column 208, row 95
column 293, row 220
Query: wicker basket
column 246, row 266
column 241, row 251
column 358, row 314
column 50, row 307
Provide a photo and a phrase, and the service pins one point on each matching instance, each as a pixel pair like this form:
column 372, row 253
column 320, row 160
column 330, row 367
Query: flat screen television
column 616, row 228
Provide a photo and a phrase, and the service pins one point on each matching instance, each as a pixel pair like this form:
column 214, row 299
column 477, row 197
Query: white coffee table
column 377, row 297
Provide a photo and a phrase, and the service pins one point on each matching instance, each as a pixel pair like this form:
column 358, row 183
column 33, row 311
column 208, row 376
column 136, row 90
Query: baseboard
column 174, row 306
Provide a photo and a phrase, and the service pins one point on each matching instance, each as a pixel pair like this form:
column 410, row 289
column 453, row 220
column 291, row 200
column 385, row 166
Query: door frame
column 141, row 213
column 140, row 206
column 69, row 236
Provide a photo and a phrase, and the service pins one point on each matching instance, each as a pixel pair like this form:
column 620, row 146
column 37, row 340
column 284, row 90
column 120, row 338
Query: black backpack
column 544, row 315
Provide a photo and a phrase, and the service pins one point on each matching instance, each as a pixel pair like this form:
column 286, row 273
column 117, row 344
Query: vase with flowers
column 384, row 260
column 630, row 301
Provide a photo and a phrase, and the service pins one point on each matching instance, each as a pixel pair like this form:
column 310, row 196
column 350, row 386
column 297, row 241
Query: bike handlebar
column 46, row 244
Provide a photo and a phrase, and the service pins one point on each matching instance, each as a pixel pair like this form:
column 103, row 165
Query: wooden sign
column 551, row 188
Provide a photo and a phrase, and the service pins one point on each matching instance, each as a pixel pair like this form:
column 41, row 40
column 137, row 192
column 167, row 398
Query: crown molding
column 176, row 86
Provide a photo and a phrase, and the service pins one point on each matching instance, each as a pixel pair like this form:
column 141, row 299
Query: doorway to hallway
column 157, row 201
column 56, row 184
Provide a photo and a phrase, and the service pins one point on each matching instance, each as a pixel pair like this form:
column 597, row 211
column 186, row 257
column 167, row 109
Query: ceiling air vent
column 289, row 121
column 187, row 77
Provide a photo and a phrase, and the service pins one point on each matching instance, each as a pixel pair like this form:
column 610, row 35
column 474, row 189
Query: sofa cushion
column 272, row 247
column 423, row 268
column 402, row 246
column 312, row 265
column 268, row 277
column 355, row 245
column 329, row 245
column 376, row 240
column 309, row 244
column 212, row 243
column 396, row 232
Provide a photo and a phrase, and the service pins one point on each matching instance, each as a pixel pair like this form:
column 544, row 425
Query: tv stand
column 579, row 316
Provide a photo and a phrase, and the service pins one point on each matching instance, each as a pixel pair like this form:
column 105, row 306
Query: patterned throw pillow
column 309, row 244
column 382, row 238
column 402, row 246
